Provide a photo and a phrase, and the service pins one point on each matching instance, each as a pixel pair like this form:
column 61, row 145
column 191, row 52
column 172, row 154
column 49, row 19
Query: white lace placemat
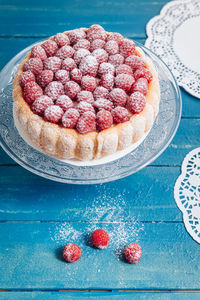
column 174, row 37
column 187, row 193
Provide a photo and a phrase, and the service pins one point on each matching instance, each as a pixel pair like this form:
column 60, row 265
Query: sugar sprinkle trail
column 111, row 212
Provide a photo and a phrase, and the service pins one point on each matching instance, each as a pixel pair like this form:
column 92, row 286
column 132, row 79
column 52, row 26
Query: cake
column 85, row 94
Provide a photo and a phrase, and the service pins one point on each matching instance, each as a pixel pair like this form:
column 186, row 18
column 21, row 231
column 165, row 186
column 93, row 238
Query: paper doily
column 187, row 193
column 174, row 37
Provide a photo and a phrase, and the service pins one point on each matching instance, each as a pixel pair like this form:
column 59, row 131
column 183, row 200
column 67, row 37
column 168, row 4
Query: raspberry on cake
column 70, row 118
column 88, row 83
column 86, row 96
column 26, row 77
column 94, row 93
column 82, row 43
column 38, row 52
column 44, row 78
column 102, row 103
column 64, row 102
column 116, row 59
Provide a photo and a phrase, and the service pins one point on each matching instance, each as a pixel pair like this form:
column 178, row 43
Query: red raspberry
column 76, row 75
column 120, row 115
column 64, row 102
column 135, row 62
column 86, row 123
column 133, row 253
column 118, row 97
column 104, row 119
column 62, row 76
column 117, row 37
column 79, row 54
column 71, row 252
column 75, row 35
column 88, row 83
column 83, row 43
column 61, row 39
column 65, row 52
column 124, row 81
column 70, row 118
column 143, row 72
column 32, row 91
column 84, row 106
column 116, row 59
column 97, row 44
column 136, row 102
column 85, row 96
column 101, row 55
column 100, row 238
column 127, row 48
column 107, row 81
column 53, row 113
column 106, row 68
column 112, row 47
column 89, row 65
column 141, row 85
column 34, row 65
column 40, row 104
column 50, row 47
column 52, row 63
column 100, row 92
column 45, row 78
column 72, row 89
column 96, row 32
column 102, row 103
column 38, row 51
column 124, row 69
column 54, row 89
column 26, row 77
column 68, row 64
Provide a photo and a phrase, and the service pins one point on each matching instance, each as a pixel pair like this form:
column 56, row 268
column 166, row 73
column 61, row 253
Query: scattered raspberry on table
column 71, row 252
column 100, row 239
column 133, row 253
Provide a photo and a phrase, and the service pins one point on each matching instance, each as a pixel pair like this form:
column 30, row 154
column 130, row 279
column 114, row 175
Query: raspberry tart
column 85, row 94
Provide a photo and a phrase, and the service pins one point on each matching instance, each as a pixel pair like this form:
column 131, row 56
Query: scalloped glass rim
column 165, row 127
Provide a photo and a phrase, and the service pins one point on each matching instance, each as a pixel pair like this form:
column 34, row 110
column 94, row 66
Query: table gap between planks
column 36, row 215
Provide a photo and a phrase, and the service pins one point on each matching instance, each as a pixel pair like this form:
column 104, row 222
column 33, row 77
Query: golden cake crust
column 64, row 143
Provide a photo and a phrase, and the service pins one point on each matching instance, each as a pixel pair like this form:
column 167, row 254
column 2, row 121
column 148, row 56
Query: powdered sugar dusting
column 65, row 233
column 106, row 211
column 112, row 213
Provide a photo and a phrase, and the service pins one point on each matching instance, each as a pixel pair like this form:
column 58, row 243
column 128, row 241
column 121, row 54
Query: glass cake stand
column 155, row 143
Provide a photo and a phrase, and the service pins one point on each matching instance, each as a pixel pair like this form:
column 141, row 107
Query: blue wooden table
column 38, row 217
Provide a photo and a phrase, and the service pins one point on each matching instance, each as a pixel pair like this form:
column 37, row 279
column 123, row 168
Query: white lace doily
column 187, row 193
column 174, row 37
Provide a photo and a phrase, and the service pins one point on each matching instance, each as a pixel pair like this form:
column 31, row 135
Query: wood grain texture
column 144, row 196
column 98, row 295
column 44, row 18
column 37, row 216
column 32, row 254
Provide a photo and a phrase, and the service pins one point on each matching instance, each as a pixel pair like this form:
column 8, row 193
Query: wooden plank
column 97, row 295
column 144, row 196
column 9, row 47
column 31, row 258
column 43, row 18
column 187, row 138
